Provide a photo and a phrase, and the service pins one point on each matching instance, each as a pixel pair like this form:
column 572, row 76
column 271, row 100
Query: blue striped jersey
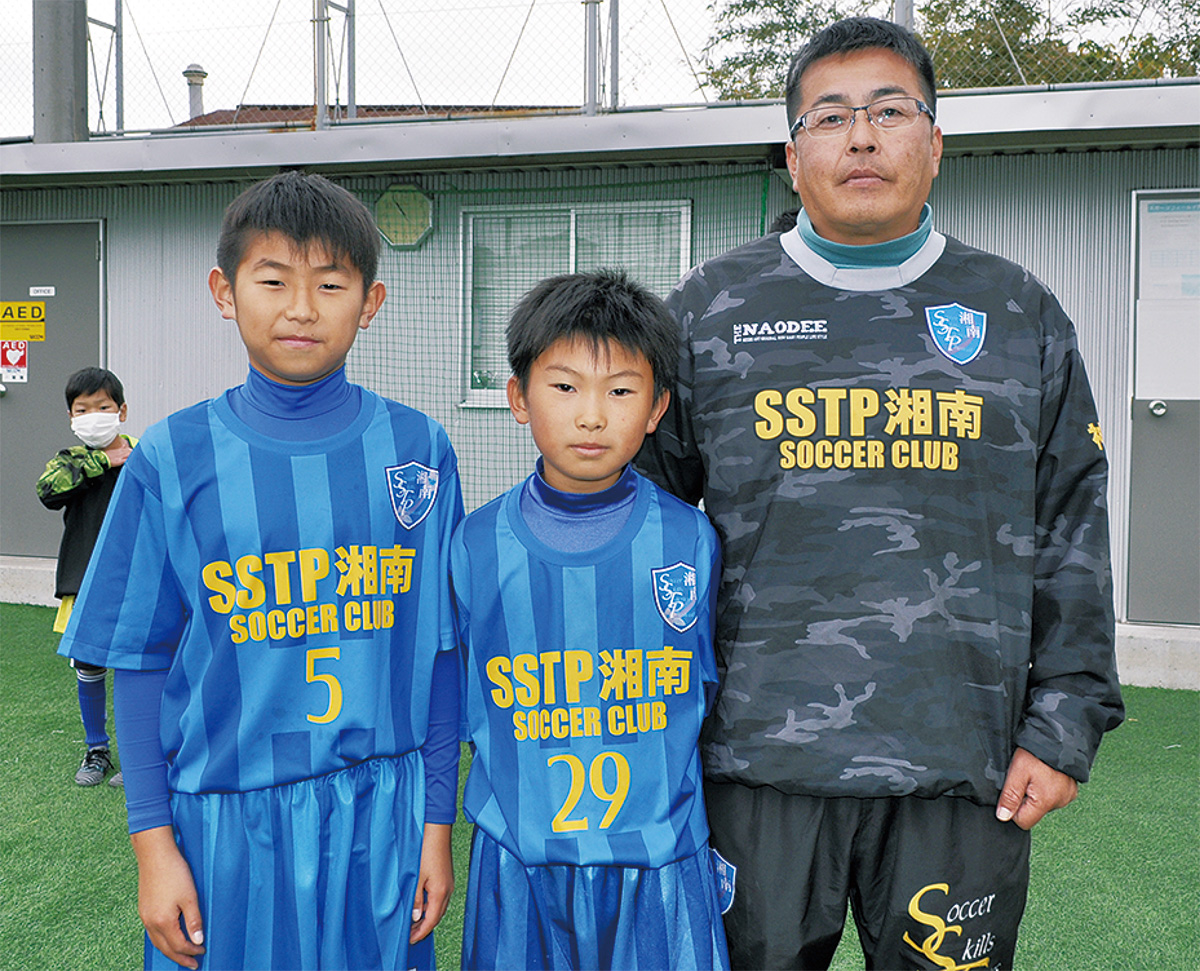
column 295, row 591
column 585, row 683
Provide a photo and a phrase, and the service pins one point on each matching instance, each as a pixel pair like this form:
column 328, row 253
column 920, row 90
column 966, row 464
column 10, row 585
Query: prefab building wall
column 161, row 332
column 1065, row 216
column 168, row 343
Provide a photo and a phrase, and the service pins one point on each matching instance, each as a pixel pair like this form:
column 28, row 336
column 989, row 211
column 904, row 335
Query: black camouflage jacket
column 907, row 473
column 79, row 481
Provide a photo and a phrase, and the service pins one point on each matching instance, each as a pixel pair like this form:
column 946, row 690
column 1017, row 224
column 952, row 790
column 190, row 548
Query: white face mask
column 97, row 428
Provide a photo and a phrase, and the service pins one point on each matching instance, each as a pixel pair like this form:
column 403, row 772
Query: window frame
column 491, row 398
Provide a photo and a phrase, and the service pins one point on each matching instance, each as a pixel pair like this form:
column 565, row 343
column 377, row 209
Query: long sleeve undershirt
column 296, row 412
column 574, row 522
column 289, row 413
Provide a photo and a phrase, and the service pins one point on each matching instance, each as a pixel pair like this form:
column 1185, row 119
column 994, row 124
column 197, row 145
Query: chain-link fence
column 493, row 235
column 273, row 62
column 262, row 59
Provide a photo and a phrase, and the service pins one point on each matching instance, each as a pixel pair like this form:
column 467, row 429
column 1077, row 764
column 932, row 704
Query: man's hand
column 1032, row 789
column 166, row 892
column 435, row 882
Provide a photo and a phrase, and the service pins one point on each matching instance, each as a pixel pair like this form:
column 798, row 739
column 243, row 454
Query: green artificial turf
column 68, row 880
column 1116, row 876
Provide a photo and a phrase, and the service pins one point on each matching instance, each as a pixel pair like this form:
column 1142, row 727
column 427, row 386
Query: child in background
column 274, row 595
column 79, row 480
column 584, row 598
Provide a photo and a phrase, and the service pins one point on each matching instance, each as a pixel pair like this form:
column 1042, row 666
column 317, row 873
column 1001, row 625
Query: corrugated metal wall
column 416, row 351
column 1066, row 217
column 165, row 337
column 171, row 348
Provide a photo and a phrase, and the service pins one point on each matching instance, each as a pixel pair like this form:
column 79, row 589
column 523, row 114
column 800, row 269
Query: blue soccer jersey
column 295, row 591
column 585, row 683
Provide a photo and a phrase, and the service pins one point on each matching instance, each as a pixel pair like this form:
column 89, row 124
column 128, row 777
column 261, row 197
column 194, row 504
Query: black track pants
column 933, row 883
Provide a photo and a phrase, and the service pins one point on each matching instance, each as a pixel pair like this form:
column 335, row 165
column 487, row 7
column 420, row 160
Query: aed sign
column 23, row 320
column 14, row 361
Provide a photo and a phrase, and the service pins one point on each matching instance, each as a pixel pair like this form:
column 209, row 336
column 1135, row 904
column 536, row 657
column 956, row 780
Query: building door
column 1164, row 493
column 58, row 264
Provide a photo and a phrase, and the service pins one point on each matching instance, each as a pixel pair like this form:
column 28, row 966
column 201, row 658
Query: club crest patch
column 675, row 595
column 957, row 331
column 726, row 874
column 413, row 488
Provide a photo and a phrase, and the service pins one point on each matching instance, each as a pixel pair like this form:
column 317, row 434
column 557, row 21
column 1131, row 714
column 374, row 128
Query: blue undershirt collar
column 846, row 257
column 581, row 503
column 296, row 413
column 573, row 522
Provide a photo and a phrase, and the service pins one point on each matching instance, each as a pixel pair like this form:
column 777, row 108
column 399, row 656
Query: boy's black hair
column 598, row 307
column 856, row 34
column 89, row 380
column 306, row 209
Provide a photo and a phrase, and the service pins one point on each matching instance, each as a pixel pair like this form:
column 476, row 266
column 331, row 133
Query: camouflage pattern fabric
column 67, row 471
column 907, row 474
column 79, row 481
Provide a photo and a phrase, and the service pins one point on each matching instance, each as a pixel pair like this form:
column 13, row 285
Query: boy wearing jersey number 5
column 585, row 613
column 274, row 597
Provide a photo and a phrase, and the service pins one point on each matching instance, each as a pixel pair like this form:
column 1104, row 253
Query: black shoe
column 96, row 764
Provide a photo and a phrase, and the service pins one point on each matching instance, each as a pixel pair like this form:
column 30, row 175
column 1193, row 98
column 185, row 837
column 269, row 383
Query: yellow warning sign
column 23, row 320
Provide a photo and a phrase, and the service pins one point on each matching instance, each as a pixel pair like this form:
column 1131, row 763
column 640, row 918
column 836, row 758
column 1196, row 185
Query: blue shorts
column 317, row 874
column 590, row 917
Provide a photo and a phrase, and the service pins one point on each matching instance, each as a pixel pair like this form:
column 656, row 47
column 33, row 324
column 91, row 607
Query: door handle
column 1158, row 408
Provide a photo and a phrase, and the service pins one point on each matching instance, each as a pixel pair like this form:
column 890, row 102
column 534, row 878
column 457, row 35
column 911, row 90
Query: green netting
column 437, row 344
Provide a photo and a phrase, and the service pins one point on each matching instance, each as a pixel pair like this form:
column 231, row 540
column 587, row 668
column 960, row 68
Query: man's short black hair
column 306, row 209
column 599, row 307
column 857, row 34
column 89, row 380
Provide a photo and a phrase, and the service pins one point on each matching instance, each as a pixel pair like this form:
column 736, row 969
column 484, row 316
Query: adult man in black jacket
column 894, row 436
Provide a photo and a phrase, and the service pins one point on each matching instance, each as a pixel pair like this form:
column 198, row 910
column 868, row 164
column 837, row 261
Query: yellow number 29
column 615, row 797
column 335, row 688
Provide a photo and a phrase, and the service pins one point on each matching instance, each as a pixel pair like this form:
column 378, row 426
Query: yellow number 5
column 615, row 797
column 335, row 688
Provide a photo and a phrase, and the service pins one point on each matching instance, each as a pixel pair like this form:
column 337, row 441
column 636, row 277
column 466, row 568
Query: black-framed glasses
column 886, row 114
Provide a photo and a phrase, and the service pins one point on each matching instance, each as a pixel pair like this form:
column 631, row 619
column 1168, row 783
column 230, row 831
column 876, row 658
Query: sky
column 436, row 52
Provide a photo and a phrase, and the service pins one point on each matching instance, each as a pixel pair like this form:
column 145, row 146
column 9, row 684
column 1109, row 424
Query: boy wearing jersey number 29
column 274, row 601
column 585, row 613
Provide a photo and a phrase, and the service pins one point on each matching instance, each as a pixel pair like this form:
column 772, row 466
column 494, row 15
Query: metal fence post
column 320, row 18
column 119, row 35
column 614, row 52
column 591, row 98
column 351, row 57
column 118, row 32
column 351, row 63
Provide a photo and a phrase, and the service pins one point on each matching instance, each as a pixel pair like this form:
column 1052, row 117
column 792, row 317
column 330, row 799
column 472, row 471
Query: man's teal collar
column 844, row 257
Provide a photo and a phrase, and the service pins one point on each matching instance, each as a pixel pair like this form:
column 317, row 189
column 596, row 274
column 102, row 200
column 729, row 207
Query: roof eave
column 1001, row 120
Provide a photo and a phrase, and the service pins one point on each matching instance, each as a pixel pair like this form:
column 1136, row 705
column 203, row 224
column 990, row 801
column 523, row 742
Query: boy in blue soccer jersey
column 274, row 603
column 585, row 609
